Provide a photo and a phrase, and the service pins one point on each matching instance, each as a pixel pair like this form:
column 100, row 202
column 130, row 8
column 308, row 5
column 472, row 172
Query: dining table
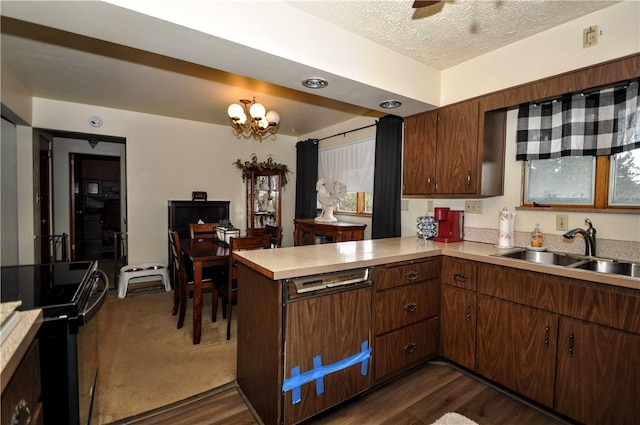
column 202, row 253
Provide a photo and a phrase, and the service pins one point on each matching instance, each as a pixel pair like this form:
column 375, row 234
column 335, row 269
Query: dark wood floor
column 417, row 398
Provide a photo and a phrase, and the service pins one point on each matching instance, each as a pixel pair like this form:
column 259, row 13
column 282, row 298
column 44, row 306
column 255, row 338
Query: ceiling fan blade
column 418, row 4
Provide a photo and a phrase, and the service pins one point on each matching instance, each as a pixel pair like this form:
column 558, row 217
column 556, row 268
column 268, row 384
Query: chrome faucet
column 589, row 236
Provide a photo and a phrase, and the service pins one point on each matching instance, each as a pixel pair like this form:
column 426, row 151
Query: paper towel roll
column 507, row 222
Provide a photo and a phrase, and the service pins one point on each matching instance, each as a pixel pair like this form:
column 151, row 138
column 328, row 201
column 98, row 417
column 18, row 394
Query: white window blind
column 351, row 164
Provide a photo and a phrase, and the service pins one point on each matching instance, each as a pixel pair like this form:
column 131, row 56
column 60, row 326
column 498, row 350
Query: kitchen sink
column 542, row 257
column 611, row 267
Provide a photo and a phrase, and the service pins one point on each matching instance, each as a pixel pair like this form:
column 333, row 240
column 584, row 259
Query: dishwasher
column 327, row 341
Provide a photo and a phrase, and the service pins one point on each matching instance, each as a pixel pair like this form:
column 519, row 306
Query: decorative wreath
column 248, row 166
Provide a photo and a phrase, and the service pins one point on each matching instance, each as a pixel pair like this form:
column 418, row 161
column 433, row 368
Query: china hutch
column 264, row 192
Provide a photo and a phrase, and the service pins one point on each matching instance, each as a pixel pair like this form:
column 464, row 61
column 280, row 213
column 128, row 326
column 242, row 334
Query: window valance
column 600, row 122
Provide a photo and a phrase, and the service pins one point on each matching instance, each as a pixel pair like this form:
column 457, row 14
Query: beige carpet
column 146, row 362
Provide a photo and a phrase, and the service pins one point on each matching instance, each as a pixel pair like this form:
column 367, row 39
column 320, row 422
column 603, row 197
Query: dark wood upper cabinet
column 444, row 155
column 458, row 150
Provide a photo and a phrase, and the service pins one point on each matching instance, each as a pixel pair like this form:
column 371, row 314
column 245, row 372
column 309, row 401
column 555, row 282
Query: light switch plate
column 562, row 222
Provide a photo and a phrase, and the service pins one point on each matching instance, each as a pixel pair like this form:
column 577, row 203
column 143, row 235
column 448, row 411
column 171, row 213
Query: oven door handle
column 92, row 310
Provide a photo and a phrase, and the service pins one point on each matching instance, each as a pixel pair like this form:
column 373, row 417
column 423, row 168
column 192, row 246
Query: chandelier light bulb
column 241, row 119
column 257, row 110
column 273, row 117
column 235, row 111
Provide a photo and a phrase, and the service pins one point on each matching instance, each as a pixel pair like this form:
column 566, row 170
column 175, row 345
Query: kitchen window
column 582, row 150
column 353, row 165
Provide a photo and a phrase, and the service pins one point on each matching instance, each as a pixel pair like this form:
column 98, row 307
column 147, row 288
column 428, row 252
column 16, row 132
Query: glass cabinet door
column 263, row 201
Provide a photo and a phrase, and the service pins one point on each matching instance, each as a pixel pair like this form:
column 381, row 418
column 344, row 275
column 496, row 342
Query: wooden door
column 419, row 156
column 459, row 326
column 598, row 376
column 517, row 347
column 326, row 330
column 457, row 152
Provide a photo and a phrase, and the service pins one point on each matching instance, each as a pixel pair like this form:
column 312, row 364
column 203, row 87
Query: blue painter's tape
column 319, row 372
column 317, row 364
column 295, row 394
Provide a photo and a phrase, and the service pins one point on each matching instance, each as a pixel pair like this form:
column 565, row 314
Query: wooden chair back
column 203, row 230
column 228, row 292
column 276, row 235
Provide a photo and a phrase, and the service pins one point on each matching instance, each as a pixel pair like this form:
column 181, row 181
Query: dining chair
column 227, row 290
column 276, row 235
column 203, row 230
column 183, row 275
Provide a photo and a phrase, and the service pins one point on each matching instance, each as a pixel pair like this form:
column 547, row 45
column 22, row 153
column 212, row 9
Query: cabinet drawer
column 395, row 351
column 405, row 273
column 460, row 273
column 24, row 389
column 405, row 305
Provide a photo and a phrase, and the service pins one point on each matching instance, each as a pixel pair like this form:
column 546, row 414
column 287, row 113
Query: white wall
column 168, row 158
column 9, row 192
column 549, row 53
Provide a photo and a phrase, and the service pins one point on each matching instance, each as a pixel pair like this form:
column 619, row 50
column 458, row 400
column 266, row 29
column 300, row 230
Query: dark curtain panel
column 387, row 179
column 307, row 176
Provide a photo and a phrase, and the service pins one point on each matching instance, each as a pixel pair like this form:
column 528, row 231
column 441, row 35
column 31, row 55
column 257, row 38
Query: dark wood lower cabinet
column 517, row 348
column 598, row 374
column 459, row 326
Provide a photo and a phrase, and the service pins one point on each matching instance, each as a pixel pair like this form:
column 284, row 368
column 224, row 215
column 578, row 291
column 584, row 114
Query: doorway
column 95, row 221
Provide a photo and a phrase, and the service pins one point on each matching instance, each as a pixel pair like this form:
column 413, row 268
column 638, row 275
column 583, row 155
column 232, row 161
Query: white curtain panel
column 351, row 164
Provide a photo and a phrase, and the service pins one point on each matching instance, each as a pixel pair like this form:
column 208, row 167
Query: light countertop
column 289, row 262
column 17, row 342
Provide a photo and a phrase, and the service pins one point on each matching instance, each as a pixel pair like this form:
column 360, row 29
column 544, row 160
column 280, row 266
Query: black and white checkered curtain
column 602, row 122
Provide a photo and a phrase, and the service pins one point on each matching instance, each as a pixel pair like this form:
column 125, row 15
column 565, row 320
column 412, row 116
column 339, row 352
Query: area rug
column 453, row 418
column 146, row 362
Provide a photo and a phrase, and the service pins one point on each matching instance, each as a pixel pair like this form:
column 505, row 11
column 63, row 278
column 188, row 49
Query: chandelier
column 251, row 120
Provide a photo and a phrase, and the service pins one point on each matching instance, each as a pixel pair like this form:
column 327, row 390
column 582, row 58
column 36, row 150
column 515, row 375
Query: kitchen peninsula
column 585, row 323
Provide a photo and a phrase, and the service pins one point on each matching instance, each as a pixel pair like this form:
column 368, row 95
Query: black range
column 70, row 296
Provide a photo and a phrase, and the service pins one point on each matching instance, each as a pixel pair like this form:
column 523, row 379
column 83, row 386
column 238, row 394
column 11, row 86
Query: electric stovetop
column 55, row 287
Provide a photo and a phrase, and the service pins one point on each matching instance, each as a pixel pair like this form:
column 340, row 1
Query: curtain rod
column 350, row 131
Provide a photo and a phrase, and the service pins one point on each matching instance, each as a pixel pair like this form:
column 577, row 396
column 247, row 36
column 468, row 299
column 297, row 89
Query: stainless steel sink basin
column 542, row 257
column 611, row 267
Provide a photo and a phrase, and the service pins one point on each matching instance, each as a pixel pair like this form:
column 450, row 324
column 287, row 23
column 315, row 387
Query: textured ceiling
column 452, row 31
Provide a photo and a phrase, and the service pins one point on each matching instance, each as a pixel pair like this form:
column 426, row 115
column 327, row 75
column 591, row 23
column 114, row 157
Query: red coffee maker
column 450, row 225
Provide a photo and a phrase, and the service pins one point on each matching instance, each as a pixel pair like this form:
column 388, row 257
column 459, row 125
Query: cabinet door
column 457, row 151
column 326, row 330
column 419, row 159
column 459, row 326
column 598, row 377
column 517, row 347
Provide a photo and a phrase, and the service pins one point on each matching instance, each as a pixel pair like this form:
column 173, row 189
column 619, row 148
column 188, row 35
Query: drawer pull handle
column 410, row 347
column 570, row 343
column 412, row 275
column 546, row 336
column 411, row 307
column 20, row 408
column 460, row 277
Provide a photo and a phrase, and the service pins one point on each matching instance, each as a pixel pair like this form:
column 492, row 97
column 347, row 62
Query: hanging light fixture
column 251, row 120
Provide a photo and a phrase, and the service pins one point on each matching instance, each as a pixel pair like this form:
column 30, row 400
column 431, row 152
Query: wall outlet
column 430, row 206
column 562, row 222
column 404, row 205
column 473, row 207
